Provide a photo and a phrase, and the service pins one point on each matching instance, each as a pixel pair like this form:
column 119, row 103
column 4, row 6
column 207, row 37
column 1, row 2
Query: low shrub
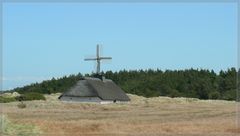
column 22, row 105
column 6, row 99
column 174, row 93
column 23, row 97
column 32, row 96
column 214, row 95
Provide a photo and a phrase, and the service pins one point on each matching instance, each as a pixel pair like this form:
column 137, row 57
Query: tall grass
column 8, row 128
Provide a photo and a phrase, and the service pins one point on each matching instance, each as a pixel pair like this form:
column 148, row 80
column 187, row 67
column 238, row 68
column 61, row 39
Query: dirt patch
column 236, row 130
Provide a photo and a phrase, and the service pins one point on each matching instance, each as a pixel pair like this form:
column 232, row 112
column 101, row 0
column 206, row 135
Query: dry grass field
column 160, row 116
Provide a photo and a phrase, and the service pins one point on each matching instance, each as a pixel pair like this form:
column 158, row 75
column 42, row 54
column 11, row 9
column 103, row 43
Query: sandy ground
column 161, row 116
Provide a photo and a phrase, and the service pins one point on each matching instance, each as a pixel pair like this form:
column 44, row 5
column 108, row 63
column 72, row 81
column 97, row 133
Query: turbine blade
column 97, row 51
column 88, row 59
column 105, row 57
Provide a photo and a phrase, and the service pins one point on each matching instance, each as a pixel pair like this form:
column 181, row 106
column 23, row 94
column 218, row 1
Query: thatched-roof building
column 95, row 90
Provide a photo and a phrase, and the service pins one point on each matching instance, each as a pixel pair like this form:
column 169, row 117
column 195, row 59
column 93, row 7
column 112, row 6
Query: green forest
column 193, row 83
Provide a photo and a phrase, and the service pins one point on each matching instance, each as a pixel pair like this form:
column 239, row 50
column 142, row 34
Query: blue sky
column 41, row 41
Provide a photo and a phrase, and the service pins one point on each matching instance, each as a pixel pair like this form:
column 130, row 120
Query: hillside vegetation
column 29, row 96
column 194, row 83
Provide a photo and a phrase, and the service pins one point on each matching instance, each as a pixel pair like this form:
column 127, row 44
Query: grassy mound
column 12, row 97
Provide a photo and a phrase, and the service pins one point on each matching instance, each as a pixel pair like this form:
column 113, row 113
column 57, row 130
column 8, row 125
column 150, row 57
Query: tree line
column 194, row 83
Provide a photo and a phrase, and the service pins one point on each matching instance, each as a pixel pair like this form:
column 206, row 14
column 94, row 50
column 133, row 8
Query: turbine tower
column 98, row 58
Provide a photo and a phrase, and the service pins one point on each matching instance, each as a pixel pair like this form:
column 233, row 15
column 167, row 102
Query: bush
column 32, row 96
column 6, row 99
column 214, row 95
column 21, row 105
column 174, row 93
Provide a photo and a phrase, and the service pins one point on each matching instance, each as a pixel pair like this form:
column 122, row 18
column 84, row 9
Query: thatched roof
column 93, row 87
